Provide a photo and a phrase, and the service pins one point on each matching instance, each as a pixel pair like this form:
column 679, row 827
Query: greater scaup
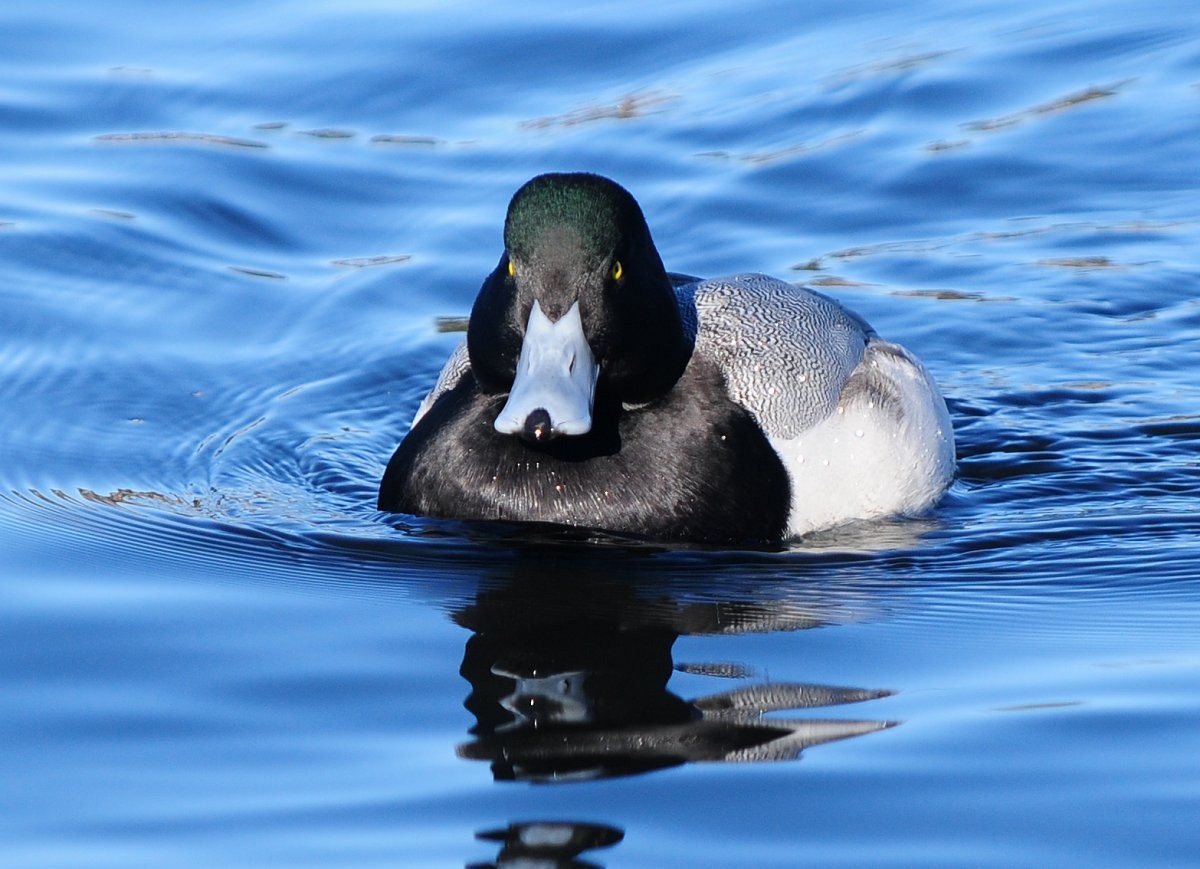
column 596, row 389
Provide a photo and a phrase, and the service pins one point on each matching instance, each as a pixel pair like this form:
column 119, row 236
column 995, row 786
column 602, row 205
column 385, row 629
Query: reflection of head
column 534, row 691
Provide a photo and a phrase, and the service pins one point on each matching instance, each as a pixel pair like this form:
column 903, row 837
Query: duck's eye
column 512, row 269
column 617, row 271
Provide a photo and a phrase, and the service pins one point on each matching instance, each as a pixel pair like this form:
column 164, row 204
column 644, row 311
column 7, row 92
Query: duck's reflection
column 569, row 681
column 547, row 844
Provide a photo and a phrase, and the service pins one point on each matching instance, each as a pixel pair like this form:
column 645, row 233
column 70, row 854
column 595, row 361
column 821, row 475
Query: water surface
column 227, row 236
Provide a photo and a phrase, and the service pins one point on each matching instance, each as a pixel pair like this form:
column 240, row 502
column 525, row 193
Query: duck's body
column 739, row 409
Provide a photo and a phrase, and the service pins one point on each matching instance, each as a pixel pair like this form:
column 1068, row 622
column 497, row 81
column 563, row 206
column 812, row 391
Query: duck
column 595, row 389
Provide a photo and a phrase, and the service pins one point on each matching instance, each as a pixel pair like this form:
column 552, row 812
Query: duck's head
column 579, row 303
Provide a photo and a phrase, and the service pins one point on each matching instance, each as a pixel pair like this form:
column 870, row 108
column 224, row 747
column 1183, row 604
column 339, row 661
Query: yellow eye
column 512, row 269
column 617, row 271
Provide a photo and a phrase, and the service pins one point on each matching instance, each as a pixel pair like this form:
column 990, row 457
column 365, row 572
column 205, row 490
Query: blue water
column 227, row 235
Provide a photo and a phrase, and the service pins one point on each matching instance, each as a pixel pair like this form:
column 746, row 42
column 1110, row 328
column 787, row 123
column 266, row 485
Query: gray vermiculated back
column 786, row 351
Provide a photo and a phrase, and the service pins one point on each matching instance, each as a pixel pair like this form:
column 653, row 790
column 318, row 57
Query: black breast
column 692, row 466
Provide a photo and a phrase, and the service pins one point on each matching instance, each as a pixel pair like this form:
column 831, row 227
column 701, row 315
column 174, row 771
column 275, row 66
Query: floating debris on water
column 366, row 262
column 170, row 137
